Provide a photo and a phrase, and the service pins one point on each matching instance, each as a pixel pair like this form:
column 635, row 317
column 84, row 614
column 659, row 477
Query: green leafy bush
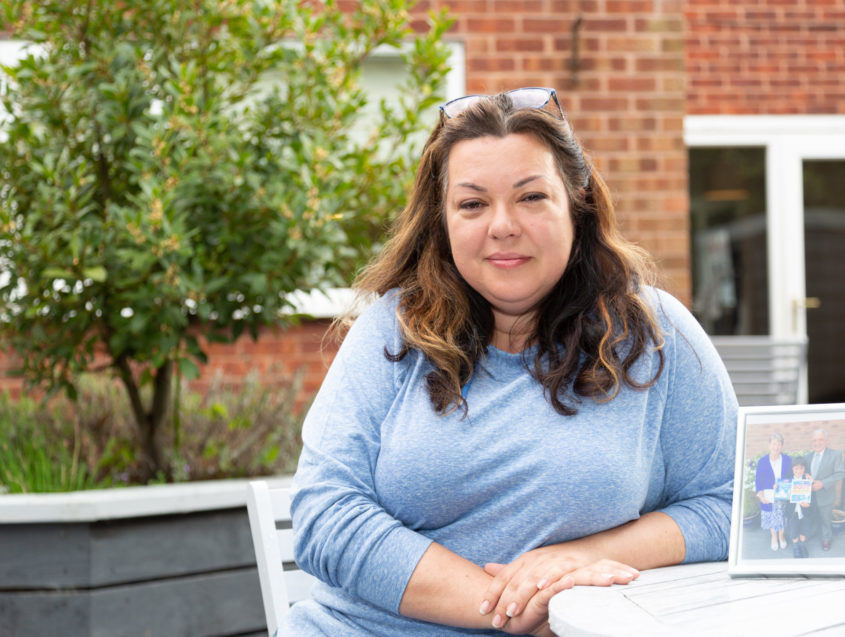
column 60, row 445
column 40, row 449
column 248, row 431
column 172, row 168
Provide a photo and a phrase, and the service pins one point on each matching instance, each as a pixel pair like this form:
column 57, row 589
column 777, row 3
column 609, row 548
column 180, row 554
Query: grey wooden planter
column 165, row 560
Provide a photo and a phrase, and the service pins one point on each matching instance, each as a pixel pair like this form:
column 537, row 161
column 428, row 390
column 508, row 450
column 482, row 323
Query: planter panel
column 39, row 613
column 39, row 556
column 216, row 604
column 132, row 550
column 160, row 561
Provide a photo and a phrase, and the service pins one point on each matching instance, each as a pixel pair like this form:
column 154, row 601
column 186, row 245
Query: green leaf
column 188, row 369
column 57, row 273
column 96, row 273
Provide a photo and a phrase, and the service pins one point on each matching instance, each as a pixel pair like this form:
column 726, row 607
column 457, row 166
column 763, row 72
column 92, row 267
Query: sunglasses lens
column 458, row 106
column 530, row 97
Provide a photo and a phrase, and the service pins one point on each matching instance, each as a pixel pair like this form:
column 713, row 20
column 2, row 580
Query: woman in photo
column 772, row 467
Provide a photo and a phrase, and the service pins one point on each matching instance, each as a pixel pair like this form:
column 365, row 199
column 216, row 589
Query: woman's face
column 775, row 446
column 507, row 215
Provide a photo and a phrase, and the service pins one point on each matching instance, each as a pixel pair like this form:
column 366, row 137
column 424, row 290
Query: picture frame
column 802, row 510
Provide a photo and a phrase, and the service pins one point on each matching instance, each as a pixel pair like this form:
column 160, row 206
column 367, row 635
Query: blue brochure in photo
column 782, row 489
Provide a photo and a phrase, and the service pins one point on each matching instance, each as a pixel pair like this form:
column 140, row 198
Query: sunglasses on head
column 529, row 97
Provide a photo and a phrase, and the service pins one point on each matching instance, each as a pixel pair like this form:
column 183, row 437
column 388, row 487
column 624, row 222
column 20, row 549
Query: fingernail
column 511, row 610
column 497, row 621
column 485, row 607
column 607, row 575
column 542, row 584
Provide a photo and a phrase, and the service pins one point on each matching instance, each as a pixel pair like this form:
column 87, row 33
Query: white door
column 801, row 276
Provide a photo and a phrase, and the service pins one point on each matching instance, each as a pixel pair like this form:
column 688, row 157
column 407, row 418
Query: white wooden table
column 702, row 599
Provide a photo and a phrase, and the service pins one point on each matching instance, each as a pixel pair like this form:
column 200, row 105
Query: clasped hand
column 518, row 597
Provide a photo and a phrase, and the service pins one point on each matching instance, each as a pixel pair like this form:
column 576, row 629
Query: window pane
column 824, row 248
column 728, row 235
column 384, row 76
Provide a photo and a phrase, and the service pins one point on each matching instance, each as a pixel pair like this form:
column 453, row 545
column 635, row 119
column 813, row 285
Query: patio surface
column 756, row 545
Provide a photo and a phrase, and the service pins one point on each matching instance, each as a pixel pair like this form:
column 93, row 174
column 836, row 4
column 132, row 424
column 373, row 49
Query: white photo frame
column 750, row 551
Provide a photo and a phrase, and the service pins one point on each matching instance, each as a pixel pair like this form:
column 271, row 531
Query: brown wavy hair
column 591, row 327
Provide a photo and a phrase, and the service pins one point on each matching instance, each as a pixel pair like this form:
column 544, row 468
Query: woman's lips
column 507, row 260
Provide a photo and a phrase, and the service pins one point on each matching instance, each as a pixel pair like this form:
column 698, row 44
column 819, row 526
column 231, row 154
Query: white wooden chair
column 282, row 582
column 764, row 370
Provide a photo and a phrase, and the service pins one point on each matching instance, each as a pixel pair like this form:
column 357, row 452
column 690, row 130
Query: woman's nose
column 504, row 223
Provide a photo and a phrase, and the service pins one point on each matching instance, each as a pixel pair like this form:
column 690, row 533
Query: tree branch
column 121, row 362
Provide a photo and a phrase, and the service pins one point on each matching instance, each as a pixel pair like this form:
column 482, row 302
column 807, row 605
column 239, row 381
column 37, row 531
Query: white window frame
column 788, row 141
column 455, row 78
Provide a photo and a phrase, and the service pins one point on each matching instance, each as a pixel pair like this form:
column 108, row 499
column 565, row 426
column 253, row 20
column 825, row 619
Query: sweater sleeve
column 698, row 436
column 760, row 477
column 341, row 533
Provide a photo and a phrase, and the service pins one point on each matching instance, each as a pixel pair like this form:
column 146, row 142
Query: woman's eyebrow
column 522, row 182
column 472, row 186
column 518, row 184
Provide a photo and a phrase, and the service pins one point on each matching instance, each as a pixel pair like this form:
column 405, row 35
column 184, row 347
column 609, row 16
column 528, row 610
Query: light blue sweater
column 382, row 475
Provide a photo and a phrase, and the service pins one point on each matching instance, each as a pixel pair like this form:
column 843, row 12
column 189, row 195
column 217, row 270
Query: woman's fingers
column 502, row 574
column 492, row 568
column 519, row 590
column 517, row 586
column 536, row 613
column 510, row 590
column 605, row 573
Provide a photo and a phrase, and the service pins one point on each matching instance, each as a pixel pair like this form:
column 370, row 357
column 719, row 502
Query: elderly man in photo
column 827, row 469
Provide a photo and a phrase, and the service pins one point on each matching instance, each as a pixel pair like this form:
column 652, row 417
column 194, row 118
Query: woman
column 518, row 412
column 772, row 467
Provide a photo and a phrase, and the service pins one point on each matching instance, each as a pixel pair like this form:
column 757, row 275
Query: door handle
column 810, row 303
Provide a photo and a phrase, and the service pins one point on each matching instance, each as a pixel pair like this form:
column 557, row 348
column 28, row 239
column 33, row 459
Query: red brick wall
column 796, row 436
column 627, row 104
column 765, row 57
column 276, row 357
column 9, row 361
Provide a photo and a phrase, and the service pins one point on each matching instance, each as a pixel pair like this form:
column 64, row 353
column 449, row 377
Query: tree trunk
column 162, row 388
column 150, row 422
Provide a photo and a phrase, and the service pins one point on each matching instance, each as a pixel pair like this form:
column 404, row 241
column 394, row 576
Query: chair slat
column 285, row 539
column 282, row 582
column 763, row 370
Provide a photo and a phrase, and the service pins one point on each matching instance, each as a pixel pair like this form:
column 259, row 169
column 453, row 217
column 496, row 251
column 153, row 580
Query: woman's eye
column 472, row 204
column 534, row 196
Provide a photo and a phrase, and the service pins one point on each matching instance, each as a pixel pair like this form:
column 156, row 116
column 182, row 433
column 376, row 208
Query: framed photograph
column 789, row 504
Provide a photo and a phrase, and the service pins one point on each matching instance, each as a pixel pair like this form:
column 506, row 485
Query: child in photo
column 797, row 513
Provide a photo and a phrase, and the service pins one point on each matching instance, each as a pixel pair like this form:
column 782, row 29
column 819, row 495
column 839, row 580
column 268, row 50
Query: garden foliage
column 171, row 169
column 63, row 445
